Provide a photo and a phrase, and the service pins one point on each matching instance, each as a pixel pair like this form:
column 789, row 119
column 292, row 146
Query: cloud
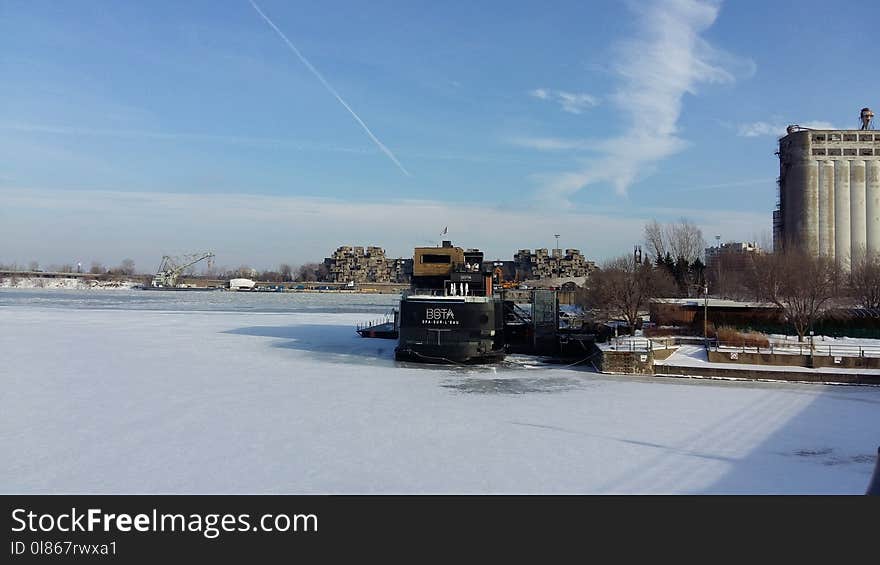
column 57, row 226
column 552, row 143
column 571, row 102
column 665, row 60
column 249, row 140
column 183, row 136
column 756, row 129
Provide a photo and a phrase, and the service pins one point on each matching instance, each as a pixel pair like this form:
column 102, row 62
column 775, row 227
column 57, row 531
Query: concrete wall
column 826, row 208
column 857, row 210
column 872, row 205
column 758, row 374
column 787, row 360
column 841, row 213
column 626, row 362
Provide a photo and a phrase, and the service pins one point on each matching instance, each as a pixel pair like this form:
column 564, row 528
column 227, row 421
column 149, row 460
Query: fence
column 639, row 344
column 830, row 350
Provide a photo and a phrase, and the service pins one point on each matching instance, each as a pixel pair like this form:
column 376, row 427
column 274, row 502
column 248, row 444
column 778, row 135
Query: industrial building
column 829, row 191
column 728, row 265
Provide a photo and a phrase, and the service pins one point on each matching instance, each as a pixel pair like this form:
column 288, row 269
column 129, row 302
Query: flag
column 444, row 230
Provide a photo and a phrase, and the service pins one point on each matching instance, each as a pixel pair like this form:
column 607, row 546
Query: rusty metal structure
column 866, row 117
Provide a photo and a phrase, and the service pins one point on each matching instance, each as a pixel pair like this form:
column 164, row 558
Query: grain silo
column 829, row 191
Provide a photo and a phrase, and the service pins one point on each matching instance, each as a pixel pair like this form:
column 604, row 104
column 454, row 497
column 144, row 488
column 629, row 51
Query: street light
column 558, row 261
column 706, row 315
column 718, row 281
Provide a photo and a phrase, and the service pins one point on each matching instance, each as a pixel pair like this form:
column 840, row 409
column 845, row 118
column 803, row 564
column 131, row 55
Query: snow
column 695, row 356
column 65, row 283
column 115, row 400
column 826, row 345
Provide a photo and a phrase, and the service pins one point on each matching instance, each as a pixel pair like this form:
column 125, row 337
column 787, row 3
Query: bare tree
column 681, row 240
column 127, row 267
column 686, row 241
column 323, row 272
column 622, row 288
column 311, row 272
column 97, row 268
column 865, row 280
column 286, row 271
column 655, row 240
column 243, row 272
column 33, row 266
column 271, row 276
column 800, row 284
column 307, row 272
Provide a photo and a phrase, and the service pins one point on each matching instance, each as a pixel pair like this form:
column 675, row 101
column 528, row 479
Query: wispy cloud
column 183, row 136
column 571, row 102
column 553, row 143
column 666, row 59
column 330, row 88
column 756, row 129
column 253, row 140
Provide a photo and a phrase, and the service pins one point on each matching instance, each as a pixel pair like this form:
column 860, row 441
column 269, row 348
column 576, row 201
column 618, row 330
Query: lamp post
column 558, row 260
column 812, row 360
column 718, row 258
column 706, row 315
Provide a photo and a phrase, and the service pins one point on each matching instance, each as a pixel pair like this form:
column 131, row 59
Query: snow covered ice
column 140, row 392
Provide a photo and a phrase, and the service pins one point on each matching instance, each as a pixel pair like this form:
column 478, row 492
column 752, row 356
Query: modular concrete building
column 366, row 265
column 543, row 264
column 829, row 192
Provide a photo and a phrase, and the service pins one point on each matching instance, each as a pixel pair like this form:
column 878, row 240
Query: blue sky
column 138, row 129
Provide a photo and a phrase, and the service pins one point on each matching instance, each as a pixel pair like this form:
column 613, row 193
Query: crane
column 171, row 268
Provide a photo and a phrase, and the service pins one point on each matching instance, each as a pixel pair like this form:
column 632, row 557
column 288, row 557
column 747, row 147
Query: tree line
column 802, row 286
column 286, row 272
column 125, row 267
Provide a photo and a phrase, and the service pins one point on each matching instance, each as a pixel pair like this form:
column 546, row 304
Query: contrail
column 330, row 88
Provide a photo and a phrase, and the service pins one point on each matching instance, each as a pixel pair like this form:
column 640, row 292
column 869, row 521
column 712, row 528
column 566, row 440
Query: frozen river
column 215, row 392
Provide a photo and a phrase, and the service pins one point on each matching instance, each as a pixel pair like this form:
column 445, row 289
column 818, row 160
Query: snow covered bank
column 71, row 283
column 235, row 402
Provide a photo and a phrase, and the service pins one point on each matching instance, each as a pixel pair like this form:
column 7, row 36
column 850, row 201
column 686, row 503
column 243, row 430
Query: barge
column 450, row 314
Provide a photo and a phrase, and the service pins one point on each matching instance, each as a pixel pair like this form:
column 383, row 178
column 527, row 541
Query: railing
column 633, row 344
column 801, row 348
column 388, row 319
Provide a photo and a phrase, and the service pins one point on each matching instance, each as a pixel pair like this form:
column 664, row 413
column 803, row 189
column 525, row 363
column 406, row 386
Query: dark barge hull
column 387, row 330
column 466, row 355
column 451, row 330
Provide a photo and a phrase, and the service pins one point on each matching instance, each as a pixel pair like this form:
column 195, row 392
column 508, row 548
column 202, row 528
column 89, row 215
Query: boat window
column 436, row 259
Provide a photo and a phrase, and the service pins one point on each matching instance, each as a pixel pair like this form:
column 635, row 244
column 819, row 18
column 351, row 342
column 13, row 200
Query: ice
column 246, row 398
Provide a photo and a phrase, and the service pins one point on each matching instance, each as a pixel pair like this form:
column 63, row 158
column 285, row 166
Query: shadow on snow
column 341, row 344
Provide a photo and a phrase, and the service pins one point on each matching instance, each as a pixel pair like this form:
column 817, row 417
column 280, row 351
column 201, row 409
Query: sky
column 276, row 131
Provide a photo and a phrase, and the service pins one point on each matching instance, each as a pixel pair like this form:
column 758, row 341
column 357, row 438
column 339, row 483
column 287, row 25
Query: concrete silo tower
column 829, row 191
